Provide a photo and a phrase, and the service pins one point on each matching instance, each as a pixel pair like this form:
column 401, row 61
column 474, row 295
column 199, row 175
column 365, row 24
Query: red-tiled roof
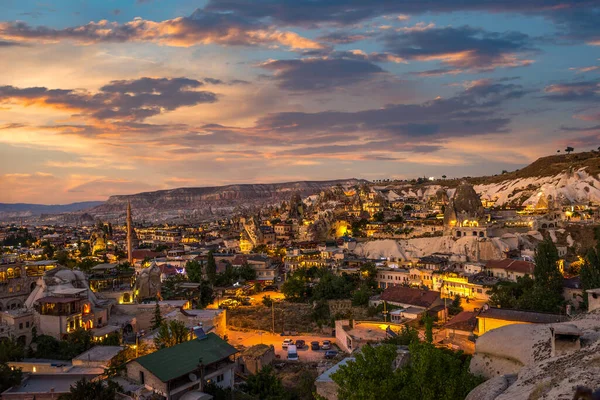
column 140, row 254
column 508, row 264
column 463, row 321
column 411, row 296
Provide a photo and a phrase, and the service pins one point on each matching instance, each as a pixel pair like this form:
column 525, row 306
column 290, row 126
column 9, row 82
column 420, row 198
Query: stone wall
column 150, row 381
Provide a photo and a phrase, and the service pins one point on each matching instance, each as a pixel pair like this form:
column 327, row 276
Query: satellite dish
column 193, row 377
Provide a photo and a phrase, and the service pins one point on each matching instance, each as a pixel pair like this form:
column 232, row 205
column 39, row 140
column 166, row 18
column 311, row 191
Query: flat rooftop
column 369, row 331
column 38, row 383
column 99, row 353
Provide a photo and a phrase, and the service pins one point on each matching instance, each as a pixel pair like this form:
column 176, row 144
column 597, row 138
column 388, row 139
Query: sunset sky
column 115, row 97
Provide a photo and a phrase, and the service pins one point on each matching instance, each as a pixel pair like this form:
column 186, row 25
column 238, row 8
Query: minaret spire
column 129, row 234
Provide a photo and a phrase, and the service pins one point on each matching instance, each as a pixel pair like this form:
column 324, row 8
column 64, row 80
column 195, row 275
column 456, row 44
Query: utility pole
column 385, row 312
column 272, row 317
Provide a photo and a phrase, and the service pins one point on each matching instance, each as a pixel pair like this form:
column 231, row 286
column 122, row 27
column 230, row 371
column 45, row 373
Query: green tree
column 246, row 272
column 436, row 373
column 361, row 296
column 171, row 333
column 428, row 328
column 86, row 264
column 267, row 301
column 546, row 294
column 157, row 319
column 84, row 250
column 112, row 339
column 194, row 271
column 92, row 390
column 9, row 377
column 206, row 294
column 11, row 350
column 332, row 286
column 590, row 270
column 406, row 336
column 295, row 287
column 455, row 307
column 265, row 385
column 48, row 250
column 211, row 268
column 370, row 376
column 378, row 216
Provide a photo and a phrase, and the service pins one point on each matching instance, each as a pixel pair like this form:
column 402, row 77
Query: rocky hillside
column 23, row 210
column 564, row 179
column 206, row 202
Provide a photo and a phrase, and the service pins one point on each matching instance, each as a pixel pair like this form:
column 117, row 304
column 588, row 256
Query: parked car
column 286, row 343
column 292, row 353
column 331, row 354
column 326, row 345
column 270, row 288
column 315, row 346
column 300, row 344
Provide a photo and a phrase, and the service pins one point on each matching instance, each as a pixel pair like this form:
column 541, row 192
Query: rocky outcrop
column 207, row 202
column 540, row 373
column 465, row 205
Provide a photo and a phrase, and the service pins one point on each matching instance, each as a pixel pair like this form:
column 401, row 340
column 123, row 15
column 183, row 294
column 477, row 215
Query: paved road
column 256, row 337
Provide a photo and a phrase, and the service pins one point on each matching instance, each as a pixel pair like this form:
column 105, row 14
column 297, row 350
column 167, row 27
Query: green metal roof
column 173, row 362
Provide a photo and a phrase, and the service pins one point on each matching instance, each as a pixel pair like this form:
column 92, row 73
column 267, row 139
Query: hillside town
column 285, row 301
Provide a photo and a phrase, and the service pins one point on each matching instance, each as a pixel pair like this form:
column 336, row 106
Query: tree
column 443, row 176
column 193, row 270
column 92, row 390
column 265, row 385
column 171, row 333
column 86, row 265
column 406, row 336
column 157, row 319
column 9, row 377
column 112, row 339
column 11, row 350
column 206, row 294
column 569, row 149
column 378, row 216
column 48, row 250
column 436, row 373
column 455, row 307
column 246, row 272
column 294, row 288
column 370, row 376
column 267, row 301
column 361, row 296
column 428, row 328
column 211, row 268
column 590, row 270
column 332, row 286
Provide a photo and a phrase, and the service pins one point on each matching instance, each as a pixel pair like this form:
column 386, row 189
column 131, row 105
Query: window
column 142, row 377
column 21, row 325
column 220, row 378
column 27, row 324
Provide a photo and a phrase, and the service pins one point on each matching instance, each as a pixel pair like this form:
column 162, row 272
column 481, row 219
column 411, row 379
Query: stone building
column 174, row 371
column 17, row 280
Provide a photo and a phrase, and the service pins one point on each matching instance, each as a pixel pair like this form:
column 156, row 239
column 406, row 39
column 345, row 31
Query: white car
column 286, row 343
column 326, row 345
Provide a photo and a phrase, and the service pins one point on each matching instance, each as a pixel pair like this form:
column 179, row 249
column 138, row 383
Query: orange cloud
column 200, row 28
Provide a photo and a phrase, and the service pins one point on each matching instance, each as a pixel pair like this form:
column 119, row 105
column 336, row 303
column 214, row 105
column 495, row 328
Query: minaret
column 129, row 234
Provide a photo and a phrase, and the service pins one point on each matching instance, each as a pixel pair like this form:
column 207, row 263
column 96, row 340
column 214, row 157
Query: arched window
column 2, row 276
column 17, row 272
column 10, row 273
